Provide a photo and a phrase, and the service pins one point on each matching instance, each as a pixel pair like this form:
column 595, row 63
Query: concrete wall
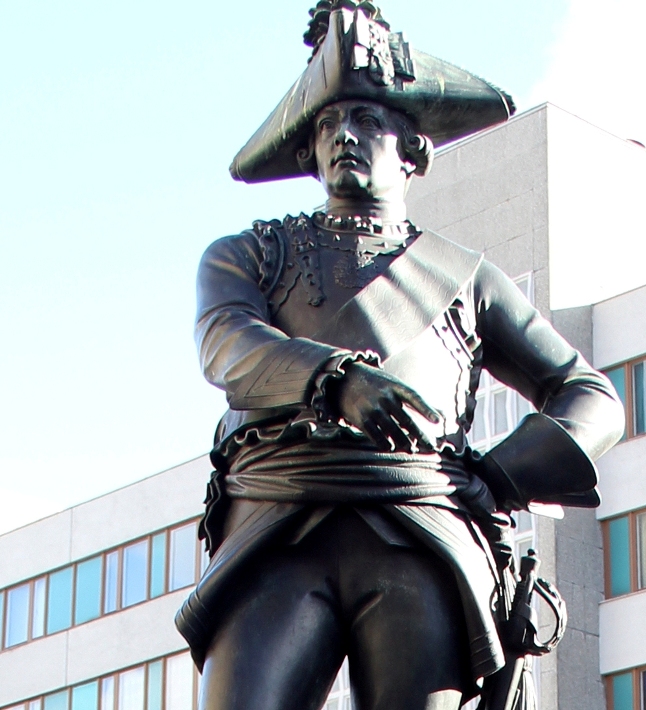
column 619, row 329
column 622, row 630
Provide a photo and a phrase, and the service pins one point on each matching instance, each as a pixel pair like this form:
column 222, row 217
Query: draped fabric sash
column 342, row 471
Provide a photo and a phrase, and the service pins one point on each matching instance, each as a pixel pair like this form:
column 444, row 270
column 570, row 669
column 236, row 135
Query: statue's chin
column 351, row 185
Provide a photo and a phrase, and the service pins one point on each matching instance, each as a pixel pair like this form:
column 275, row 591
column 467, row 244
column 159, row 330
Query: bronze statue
column 347, row 516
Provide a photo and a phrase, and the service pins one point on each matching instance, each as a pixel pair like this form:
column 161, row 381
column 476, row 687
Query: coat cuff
column 286, row 377
column 324, row 399
column 540, row 462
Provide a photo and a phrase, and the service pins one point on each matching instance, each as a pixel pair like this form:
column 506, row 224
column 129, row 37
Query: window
column 640, row 525
column 86, row 696
column 81, row 592
column 57, row 701
column 179, row 683
column 627, row 690
column 135, row 574
column 17, row 623
column 155, row 686
column 625, row 553
column 38, row 612
column 158, row 566
column 131, row 689
column 182, row 557
column 59, row 601
column 111, row 600
column 107, row 693
column 629, row 379
column 88, row 590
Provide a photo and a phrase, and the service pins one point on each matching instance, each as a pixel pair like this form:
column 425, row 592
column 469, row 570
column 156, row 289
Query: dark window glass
column 158, row 565
column 111, row 582
column 622, row 691
column 182, row 557
column 135, row 573
column 17, row 624
column 38, row 613
column 155, row 671
column 618, row 378
column 619, row 554
column 88, row 590
column 56, row 701
column 59, row 600
column 639, row 399
column 86, row 696
column 641, row 550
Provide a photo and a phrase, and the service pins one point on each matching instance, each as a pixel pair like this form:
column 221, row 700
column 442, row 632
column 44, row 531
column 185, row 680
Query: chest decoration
column 293, row 252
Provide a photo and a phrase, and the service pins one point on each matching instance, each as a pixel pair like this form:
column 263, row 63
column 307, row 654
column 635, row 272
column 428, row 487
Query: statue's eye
column 326, row 124
column 368, row 121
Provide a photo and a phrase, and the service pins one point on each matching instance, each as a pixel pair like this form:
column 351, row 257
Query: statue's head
column 364, row 149
column 356, row 59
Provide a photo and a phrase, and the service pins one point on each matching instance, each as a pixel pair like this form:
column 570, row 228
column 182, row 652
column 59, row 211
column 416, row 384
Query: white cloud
column 598, row 66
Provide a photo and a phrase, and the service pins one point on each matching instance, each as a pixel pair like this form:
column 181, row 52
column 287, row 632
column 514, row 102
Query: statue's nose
column 345, row 136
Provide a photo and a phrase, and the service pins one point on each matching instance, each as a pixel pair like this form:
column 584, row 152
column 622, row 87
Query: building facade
column 88, row 596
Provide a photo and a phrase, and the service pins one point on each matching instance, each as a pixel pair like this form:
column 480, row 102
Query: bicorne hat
column 355, row 56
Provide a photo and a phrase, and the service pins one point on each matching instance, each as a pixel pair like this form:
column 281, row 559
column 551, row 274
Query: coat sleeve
column 549, row 457
column 255, row 363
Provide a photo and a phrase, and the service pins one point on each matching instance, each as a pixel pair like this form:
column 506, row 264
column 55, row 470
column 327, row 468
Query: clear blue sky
column 118, row 121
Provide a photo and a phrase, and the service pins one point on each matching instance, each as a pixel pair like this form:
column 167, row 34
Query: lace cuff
column 332, row 371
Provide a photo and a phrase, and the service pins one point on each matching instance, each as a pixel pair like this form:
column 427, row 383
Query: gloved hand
column 374, row 402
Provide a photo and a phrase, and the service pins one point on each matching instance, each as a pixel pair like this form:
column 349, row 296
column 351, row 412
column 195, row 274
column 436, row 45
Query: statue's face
column 358, row 152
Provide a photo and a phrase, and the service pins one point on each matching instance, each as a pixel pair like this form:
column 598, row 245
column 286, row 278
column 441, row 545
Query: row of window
column 629, row 380
column 169, row 683
column 113, row 580
column 165, row 684
column 627, row 691
column 625, row 553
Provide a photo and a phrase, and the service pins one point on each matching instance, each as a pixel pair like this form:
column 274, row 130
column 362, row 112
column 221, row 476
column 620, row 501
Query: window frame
column 628, row 367
column 633, row 551
column 639, row 697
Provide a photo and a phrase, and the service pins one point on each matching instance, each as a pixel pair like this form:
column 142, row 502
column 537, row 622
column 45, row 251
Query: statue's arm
column 256, row 364
column 549, row 457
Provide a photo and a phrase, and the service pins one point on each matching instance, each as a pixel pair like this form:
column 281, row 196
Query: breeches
column 298, row 610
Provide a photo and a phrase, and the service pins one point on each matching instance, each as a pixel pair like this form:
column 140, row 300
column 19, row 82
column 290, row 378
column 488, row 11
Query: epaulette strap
column 273, row 254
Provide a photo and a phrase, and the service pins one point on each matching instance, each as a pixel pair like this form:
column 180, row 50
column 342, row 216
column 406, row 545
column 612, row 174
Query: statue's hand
column 374, row 402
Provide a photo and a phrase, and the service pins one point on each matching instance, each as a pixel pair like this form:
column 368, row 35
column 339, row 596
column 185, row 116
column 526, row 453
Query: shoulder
column 493, row 285
column 255, row 253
